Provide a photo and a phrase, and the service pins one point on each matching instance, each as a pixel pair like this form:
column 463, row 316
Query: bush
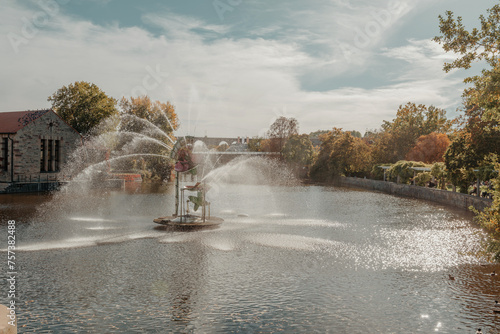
column 404, row 170
column 377, row 173
column 421, row 179
column 438, row 170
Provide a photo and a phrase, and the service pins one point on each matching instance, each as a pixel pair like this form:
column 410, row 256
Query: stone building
column 34, row 145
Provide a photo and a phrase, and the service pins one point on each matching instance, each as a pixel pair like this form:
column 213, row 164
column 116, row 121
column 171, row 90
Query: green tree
column 356, row 134
column 320, row 169
column 382, row 145
column 489, row 218
column 475, row 45
column 299, row 150
column 440, row 173
column 351, row 156
column 342, row 154
column 377, row 172
column 255, row 144
column 82, row 105
column 421, row 179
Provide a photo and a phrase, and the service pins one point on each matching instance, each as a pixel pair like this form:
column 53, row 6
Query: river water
column 295, row 259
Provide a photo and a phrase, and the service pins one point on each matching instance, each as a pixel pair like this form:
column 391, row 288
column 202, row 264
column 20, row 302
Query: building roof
column 11, row 122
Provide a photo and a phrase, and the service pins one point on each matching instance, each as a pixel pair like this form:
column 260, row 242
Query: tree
column 351, row 156
column 489, row 218
column 476, row 45
column 82, row 105
column 473, row 46
column 429, row 148
column 161, row 115
column 255, row 144
column 279, row 132
column 440, row 173
column 478, row 141
column 411, row 122
column 471, row 147
column 156, row 120
column 341, row 154
column 299, row 150
column 320, row 169
column 479, row 135
column 356, row 134
column 381, row 143
column 460, row 158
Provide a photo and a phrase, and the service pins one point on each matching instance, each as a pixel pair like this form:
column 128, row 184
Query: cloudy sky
column 231, row 67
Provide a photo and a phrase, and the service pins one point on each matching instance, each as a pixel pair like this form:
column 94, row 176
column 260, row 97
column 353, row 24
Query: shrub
column 404, row 170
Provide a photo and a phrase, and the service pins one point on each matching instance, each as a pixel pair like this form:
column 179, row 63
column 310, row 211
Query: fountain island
column 183, row 218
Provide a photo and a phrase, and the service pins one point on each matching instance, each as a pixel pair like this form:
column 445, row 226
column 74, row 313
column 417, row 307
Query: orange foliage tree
column 429, row 148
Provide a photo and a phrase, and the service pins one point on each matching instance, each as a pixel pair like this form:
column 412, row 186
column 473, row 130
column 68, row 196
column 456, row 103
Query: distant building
column 34, row 145
column 212, row 142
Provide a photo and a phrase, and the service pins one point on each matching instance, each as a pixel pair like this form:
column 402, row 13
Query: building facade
column 34, row 145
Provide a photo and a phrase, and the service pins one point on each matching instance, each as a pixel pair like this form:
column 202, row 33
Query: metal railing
column 41, row 178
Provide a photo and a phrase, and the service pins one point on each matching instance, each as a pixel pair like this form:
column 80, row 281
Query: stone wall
column 27, row 142
column 458, row 200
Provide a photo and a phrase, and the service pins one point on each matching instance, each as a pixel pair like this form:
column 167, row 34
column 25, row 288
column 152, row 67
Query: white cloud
column 220, row 85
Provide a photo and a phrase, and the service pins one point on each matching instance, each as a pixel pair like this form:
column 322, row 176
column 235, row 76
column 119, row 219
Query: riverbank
column 450, row 198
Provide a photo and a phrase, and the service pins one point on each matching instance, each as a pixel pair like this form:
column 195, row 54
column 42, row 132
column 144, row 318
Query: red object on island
column 179, row 167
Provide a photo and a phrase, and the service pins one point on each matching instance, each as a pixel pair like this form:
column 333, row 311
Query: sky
column 231, row 67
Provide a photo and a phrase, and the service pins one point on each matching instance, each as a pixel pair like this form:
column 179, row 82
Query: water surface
column 292, row 259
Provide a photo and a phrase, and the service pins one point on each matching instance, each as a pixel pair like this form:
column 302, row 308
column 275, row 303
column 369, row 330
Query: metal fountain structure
column 183, row 218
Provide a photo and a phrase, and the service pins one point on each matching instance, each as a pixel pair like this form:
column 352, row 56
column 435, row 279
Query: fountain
column 113, row 145
column 182, row 218
column 288, row 257
column 116, row 153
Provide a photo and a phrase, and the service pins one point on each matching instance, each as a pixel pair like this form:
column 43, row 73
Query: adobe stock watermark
column 380, row 22
column 223, row 6
column 151, row 81
column 31, row 26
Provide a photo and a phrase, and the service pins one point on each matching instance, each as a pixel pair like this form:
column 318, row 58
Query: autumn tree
column 154, row 122
column 478, row 136
column 341, row 154
column 351, row 156
column 157, row 114
column 411, row 122
column 382, row 145
column 475, row 45
column 82, row 105
column 279, row 132
column 429, row 148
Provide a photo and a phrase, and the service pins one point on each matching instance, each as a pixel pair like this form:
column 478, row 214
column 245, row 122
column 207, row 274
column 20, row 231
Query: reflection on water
column 292, row 259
